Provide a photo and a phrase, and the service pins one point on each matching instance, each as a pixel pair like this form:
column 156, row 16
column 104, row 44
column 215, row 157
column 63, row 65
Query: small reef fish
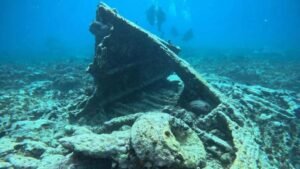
column 200, row 106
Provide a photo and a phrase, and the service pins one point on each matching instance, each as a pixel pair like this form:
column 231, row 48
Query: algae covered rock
column 32, row 148
column 6, row 146
column 5, row 165
column 164, row 141
column 19, row 161
column 51, row 161
column 112, row 146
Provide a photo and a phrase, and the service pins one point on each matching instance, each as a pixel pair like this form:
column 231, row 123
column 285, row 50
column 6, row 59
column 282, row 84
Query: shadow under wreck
column 160, row 109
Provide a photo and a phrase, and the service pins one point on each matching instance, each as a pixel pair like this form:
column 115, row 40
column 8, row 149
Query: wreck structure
column 153, row 97
column 129, row 59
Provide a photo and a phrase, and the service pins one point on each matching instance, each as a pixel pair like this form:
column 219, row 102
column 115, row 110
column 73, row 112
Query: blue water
column 58, row 28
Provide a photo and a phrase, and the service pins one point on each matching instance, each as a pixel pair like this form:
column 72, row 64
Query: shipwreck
column 129, row 59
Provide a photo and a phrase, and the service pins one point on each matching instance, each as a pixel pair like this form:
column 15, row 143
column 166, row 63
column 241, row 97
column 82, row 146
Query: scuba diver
column 156, row 16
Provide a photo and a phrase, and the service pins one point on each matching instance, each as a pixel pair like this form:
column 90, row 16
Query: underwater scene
column 149, row 84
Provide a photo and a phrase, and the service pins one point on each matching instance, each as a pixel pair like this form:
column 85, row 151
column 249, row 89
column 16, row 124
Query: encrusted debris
column 130, row 59
column 165, row 141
